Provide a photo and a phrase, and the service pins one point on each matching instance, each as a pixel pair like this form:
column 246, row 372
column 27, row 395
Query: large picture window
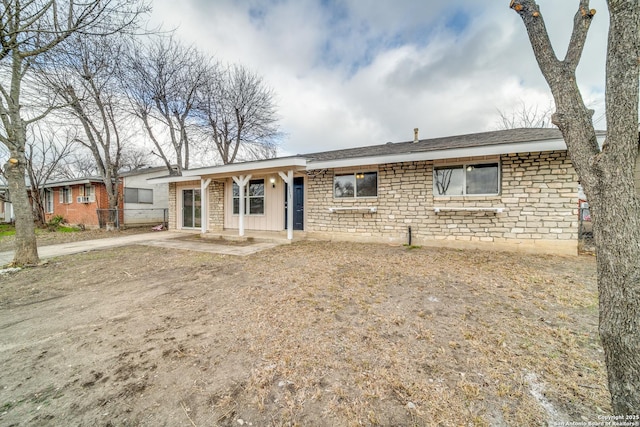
column 254, row 198
column 359, row 184
column 467, row 179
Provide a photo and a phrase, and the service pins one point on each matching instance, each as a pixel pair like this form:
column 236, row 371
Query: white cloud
column 351, row 73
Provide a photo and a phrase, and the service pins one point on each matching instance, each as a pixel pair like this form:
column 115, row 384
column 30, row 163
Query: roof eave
column 172, row 178
column 232, row 168
column 449, row 153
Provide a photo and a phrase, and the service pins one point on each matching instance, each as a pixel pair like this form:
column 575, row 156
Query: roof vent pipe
column 415, row 134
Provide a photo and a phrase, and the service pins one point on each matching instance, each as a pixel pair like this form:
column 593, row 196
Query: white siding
column 137, row 214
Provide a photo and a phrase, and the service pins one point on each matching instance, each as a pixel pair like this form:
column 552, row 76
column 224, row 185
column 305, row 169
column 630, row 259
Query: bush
column 55, row 222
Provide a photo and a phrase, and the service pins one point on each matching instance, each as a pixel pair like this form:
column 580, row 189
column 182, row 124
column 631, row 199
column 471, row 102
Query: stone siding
column 216, row 206
column 538, row 195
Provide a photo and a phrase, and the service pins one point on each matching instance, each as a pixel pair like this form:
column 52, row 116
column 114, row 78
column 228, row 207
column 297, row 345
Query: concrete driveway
column 166, row 239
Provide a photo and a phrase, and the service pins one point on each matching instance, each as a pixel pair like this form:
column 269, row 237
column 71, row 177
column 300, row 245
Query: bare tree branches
column 46, row 153
column 86, row 78
column 163, row 79
column 526, row 116
column 237, row 113
column 188, row 103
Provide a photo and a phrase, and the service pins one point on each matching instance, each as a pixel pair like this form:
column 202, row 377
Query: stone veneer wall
column 216, row 206
column 538, row 194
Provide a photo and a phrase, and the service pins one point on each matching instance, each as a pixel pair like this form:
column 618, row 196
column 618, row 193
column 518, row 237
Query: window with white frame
column 358, row 184
column 88, row 193
column 254, row 198
column 138, row 195
column 48, row 200
column 65, row 195
column 467, row 179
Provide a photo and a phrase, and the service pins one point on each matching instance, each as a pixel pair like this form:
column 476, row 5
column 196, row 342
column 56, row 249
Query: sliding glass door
column 191, row 207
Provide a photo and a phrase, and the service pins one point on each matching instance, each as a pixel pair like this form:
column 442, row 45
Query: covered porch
column 244, row 201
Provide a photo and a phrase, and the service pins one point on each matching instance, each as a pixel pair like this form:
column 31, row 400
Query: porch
column 280, row 237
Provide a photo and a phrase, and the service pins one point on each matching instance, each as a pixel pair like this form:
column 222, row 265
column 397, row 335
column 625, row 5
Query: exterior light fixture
column 272, row 180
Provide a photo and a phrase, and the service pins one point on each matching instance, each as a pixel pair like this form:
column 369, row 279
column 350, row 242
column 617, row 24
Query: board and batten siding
column 273, row 218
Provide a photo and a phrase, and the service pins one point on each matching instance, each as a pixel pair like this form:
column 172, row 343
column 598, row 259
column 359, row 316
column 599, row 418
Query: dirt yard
column 308, row 334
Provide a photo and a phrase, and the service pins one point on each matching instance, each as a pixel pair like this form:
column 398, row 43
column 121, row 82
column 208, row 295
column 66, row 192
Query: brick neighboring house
column 510, row 190
column 77, row 200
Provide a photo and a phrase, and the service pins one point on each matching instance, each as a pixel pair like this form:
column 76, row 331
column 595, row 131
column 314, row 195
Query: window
column 48, row 201
column 87, row 194
column 65, row 195
column 254, row 198
column 138, row 195
column 359, row 184
column 468, row 179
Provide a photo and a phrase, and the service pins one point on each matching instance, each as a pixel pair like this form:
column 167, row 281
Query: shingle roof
column 509, row 136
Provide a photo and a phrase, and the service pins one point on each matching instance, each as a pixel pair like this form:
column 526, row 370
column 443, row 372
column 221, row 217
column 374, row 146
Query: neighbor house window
column 254, row 198
column 65, row 195
column 87, row 194
column 48, row 201
column 467, row 179
column 138, row 195
column 359, row 184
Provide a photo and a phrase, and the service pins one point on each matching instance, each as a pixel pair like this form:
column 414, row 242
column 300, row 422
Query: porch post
column 288, row 178
column 204, row 204
column 242, row 181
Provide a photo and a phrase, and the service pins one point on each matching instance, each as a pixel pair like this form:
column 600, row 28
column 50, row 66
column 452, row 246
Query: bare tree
column 80, row 164
column 237, row 113
column 526, row 116
column 86, row 79
column 163, row 78
column 133, row 158
column 28, row 31
column 607, row 175
column 46, row 152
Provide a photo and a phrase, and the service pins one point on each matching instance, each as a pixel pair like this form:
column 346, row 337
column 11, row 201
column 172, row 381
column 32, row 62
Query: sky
column 350, row 73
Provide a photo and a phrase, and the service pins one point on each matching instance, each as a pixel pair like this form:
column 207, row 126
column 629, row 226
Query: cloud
column 352, row 73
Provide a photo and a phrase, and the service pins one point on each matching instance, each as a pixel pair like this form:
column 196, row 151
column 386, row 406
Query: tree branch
column 581, row 24
column 547, row 60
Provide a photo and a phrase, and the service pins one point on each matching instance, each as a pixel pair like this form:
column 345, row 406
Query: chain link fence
column 585, row 229
column 130, row 218
column 108, row 218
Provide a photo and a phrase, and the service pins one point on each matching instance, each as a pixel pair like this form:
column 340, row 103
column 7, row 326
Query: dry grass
column 320, row 333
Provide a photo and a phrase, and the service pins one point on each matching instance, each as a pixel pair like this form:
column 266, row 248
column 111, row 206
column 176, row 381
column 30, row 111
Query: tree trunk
column 617, row 212
column 26, row 245
column 607, row 176
column 617, row 233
